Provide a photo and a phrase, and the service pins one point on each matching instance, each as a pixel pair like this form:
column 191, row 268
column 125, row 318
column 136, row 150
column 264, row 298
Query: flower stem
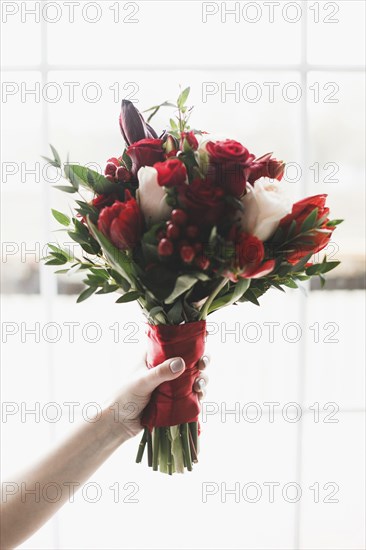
column 155, row 461
column 210, row 299
column 149, row 448
column 141, row 449
column 186, row 446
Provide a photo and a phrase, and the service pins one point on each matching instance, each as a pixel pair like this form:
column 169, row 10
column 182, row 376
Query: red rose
column 203, row 201
column 248, row 257
column 145, row 153
column 229, row 162
column 188, row 141
column 172, row 172
column 266, row 167
column 122, row 223
column 313, row 240
column 228, row 150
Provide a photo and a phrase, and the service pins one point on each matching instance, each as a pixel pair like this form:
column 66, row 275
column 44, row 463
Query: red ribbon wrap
column 174, row 402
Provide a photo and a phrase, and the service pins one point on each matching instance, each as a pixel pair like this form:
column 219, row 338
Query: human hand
column 130, row 403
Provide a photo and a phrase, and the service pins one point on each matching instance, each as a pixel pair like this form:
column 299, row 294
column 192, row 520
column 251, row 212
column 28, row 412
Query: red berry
column 160, row 234
column 110, row 178
column 172, row 231
column 192, row 231
column 165, row 247
column 178, row 216
column 202, row 262
column 187, row 254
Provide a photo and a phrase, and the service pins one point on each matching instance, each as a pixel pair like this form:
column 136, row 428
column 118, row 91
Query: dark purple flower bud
column 132, row 124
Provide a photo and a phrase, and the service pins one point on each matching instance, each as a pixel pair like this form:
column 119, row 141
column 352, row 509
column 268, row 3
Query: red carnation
column 266, row 167
column 172, row 172
column 122, row 223
column 313, row 240
column 145, row 153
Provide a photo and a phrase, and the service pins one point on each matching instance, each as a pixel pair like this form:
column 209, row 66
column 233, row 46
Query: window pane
column 336, row 160
column 20, row 34
column 336, row 32
column 144, row 33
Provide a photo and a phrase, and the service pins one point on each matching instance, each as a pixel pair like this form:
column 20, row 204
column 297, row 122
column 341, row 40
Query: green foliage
column 61, row 218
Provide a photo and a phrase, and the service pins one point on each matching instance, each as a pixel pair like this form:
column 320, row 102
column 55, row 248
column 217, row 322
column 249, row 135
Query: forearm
column 68, row 466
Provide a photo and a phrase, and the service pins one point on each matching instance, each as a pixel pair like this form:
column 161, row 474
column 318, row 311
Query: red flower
column 101, row 201
column 312, row 240
column 229, row 150
column 112, row 165
column 145, row 153
column 203, row 201
column 229, row 162
column 188, row 141
column 122, row 223
column 248, row 257
column 172, row 172
column 266, row 167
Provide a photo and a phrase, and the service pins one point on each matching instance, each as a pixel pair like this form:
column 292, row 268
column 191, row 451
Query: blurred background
column 286, row 77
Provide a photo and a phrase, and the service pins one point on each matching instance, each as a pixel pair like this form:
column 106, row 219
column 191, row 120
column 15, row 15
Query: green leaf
column 56, row 262
column 127, row 160
column 333, row 223
column 157, row 313
column 309, row 221
column 182, row 284
column 117, row 258
column 81, row 175
column 129, row 297
column 65, row 188
column 301, row 264
column 107, row 289
column 50, row 161
column 183, row 97
column 86, row 294
column 250, row 296
column 230, row 298
column 173, row 125
column 61, row 218
column 56, row 156
column 290, row 283
column 175, row 313
column 324, row 267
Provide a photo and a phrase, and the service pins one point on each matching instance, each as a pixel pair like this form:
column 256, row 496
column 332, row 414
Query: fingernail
column 177, row 365
column 205, row 360
column 201, row 383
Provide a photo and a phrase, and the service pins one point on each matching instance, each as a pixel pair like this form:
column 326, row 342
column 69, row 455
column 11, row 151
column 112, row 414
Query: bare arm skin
column 77, row 458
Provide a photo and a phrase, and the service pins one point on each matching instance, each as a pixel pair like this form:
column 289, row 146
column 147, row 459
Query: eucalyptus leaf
column 61, row 218
column 129, row 297
column 86, row 294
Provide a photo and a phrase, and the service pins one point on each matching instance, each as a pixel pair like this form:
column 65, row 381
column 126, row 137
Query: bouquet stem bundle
column 170, row 449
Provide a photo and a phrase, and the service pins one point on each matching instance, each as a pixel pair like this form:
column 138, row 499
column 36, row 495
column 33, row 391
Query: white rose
column 265, row 204
column 151, row 196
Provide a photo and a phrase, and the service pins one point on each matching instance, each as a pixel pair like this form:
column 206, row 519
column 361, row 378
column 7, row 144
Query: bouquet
column 184, row 225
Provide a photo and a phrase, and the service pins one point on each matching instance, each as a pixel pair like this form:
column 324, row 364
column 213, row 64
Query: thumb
column 169, row 370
